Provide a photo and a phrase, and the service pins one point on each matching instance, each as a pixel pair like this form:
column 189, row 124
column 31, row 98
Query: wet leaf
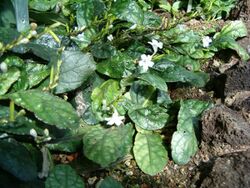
column 63, row 176
column 150, row 154
column 76, row 68
column 59, row 113
column 105, row 145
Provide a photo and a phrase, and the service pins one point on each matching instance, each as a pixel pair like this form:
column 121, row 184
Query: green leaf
column 172, row 72
column 47, row 107
column 234, row 29
column 7, row 79
column 183, row 145
column 107, row 93
column 42, row 5
column 7, row 14
column 150, row 118
column 22, row 14
column 87, row 10
column 109, row 182
column 154, row 80
column 225, row 42
column 16, row 159
column 128, row 10
column 150, row 155
column 189, row 114
column 141, row 93
column 21, row 125
column 151, row 19
column 36, row 73
column 117, row 66
column 75, row 69
column 63, row 176
column 103, row 50
column 106, row 145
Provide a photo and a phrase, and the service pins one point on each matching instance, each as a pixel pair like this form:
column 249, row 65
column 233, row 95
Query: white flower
column 145, row 62
column 115, row 119
column 206, row 41
column 3, row 67
column 33, row 133
column 110, row 37
column 155, row 44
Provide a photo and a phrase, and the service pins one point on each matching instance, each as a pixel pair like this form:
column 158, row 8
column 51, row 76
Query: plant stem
column 12, row 111
column 189, row 7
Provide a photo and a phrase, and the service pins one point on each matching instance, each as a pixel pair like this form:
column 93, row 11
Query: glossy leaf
column 63, row 176
column 7, row 79
column 171, row 72
column 105, row 145
column 75, row 69
column 155, row 81
column 183, row 145
column 150, row 155
column 59, row 113
column 16, row 159
column 150, row 118
column 128, row 10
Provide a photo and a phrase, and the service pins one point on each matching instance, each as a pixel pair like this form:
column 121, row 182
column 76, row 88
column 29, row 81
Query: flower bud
column 33, row 133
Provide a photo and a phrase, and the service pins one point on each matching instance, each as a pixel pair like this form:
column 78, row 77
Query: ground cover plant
column 94, row 77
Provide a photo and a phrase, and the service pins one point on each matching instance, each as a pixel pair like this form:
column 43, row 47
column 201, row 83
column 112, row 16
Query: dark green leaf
column 109, row 182
column 154, row 80
column 171, row 72
column 118, row 66
column 75, row 69
column 141, row 92
column 128, row 10
column 149, row 118
column 59, row 113
column 16, row 159
column 103, row 50
column 63, row 176
column 105, row 145
column 42, row 5
column 150, row 155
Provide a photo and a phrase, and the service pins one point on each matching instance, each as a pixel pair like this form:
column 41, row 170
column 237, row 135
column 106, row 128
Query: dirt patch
column 229, row 171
